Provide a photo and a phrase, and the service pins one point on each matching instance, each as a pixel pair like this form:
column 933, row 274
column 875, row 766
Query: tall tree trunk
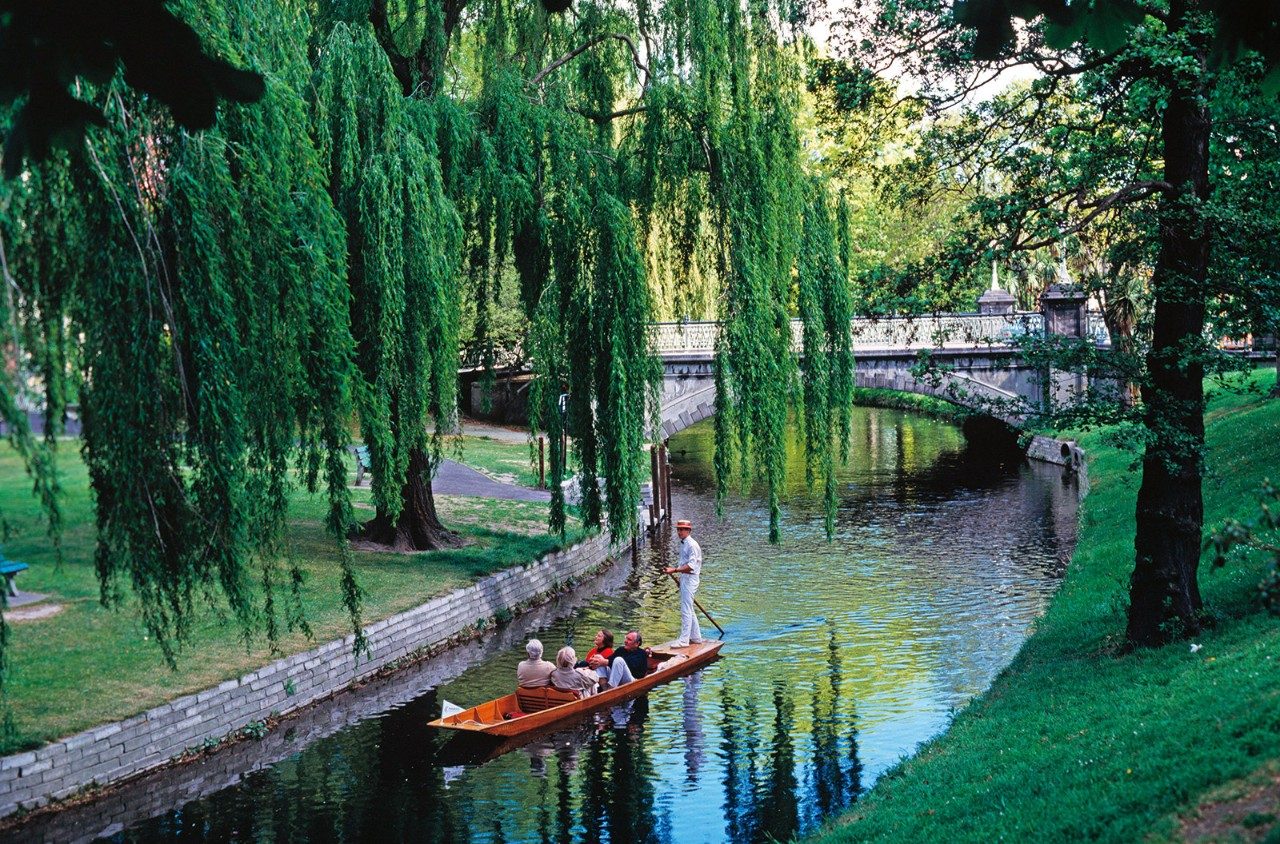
column 1275, row 338
column 1164, row 596
column 418, row 527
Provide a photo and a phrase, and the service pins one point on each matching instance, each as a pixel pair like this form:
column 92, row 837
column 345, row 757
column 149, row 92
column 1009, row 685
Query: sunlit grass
column 1077, row 741
column 897, row 400
column 508, row 462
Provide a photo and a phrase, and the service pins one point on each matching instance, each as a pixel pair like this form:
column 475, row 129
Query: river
column 840, row 658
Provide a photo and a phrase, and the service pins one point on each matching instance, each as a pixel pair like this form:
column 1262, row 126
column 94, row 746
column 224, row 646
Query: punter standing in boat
column 690, row 571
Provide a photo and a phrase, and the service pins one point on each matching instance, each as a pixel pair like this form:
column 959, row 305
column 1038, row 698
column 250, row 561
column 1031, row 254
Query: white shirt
column 691, row 556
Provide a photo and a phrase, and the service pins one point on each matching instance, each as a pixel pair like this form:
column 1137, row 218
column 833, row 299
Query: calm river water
column 840, row 658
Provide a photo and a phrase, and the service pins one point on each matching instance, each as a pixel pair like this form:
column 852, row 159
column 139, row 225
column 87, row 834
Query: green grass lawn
column 1075, row 740
column 512, row 463
column 88, row 665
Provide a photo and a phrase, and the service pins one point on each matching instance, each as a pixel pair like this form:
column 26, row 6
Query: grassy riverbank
column 86, row 665
column 1075, row 740
column 914, row 402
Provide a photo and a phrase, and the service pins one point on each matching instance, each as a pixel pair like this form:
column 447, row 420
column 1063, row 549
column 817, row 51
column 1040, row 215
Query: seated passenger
column 627, row 663
column 604, row 649
column 567, row 678
column 603, row 646
column 534, row 672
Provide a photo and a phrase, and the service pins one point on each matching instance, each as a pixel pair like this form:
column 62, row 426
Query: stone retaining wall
column 166, row 789
column 123, row 749
column 1065, row 453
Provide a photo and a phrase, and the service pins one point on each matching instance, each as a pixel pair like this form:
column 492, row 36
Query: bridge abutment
column 1065, row 316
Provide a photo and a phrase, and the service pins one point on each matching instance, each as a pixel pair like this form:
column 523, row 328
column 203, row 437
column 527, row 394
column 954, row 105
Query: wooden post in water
column 662, row 481
column 655, row 506
column 666, row 473
column 656, row 450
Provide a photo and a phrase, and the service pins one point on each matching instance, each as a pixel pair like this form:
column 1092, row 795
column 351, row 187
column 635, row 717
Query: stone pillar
column 1065, row 316
column 1063, row 307
column 995, row 300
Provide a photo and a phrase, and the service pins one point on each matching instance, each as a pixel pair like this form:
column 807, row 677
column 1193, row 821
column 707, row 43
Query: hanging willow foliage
column 218, row 304
column 203, row 289
column 827, row 366
column 613, row 180
column 403, row 246
column 726, row 106
column 545, row 197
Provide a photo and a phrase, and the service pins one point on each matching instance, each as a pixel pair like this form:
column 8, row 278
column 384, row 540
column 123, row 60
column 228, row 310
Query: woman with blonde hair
column 566, row 678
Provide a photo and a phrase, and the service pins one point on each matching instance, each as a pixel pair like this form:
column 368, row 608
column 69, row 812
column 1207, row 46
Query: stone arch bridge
column 979, row 364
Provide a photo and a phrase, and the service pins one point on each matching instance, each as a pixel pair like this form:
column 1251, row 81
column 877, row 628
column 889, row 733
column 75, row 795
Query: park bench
column 362, row 461
column 10, row 571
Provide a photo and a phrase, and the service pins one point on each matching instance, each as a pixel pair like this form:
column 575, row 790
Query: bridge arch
column 980, row 363
column 689, row 398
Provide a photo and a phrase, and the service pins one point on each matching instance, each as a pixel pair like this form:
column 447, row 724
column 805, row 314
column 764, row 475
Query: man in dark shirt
column 629, row 662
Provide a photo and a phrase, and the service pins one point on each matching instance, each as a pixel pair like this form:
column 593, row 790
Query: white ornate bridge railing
column 941, row 331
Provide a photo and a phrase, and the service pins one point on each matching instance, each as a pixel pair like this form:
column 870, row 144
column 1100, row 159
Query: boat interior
column 527, row 701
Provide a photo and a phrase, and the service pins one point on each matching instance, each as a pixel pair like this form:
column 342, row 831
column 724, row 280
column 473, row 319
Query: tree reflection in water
column 618, row 799
column 370, row 782
column 837, row 775
column 763, row 797
column 739, row 745
column 778, row 818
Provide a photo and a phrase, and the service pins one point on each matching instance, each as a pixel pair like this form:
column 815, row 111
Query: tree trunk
column 1275, row 338
column 419, row 70
column 418, row 527
column 1164, row 595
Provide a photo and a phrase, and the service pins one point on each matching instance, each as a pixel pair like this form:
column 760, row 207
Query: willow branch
column 11, row 287
column 582, row 48
column 597, row 117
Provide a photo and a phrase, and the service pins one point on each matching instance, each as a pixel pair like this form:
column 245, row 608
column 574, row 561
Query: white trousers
column 619, row 673
column 689, row 630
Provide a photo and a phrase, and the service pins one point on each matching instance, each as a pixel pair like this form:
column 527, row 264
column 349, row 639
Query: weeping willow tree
column 187, row 289
column 722, row 155
column 627, row 156
column 219, row 304
column 403, row 239
column 542, row 194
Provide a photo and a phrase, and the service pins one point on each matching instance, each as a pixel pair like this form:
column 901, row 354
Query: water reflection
column 692, row 723
column 836, row 773
column 840, row 658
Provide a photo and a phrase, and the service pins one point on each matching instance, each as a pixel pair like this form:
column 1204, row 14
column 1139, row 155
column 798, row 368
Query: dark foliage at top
column 46, row 45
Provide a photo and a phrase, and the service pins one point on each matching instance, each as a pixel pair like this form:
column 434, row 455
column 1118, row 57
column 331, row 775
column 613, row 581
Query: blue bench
column 10, row 571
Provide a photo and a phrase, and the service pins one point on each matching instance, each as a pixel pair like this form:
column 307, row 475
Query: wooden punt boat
column 529, row 710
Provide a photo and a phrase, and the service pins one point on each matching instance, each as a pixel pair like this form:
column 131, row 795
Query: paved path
column 452, row 478
column 502, row 433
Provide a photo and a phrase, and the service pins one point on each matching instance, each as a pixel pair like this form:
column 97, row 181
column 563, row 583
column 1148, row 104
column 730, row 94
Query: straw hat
column 684, row 523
